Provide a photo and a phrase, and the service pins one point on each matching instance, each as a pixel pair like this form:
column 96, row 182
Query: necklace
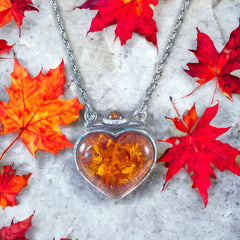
column 115, row 155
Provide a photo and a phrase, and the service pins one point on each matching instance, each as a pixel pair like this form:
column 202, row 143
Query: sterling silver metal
column 90, row 115
column 140, row 114
column 109, row 123
column 117, row 126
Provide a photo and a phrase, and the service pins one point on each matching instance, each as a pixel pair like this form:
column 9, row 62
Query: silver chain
column 90, row 115
column 140, row 114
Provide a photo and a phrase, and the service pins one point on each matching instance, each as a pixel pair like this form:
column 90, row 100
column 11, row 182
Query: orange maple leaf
column 17, row 230
column 36, row 110
column 10, row 9
column 11, row 185
column 129, row 15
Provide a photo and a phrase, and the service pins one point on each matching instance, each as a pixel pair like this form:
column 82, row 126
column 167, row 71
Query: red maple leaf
column 35, row 110
column 10, row 9
column 4, row 47
column 11, row 185
column 17, row 230
column 217, row 65
column 129, row 15
column 198, row 150
column 95, row 4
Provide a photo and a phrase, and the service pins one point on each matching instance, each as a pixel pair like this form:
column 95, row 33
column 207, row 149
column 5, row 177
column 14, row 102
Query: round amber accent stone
column 115, row 164
column 115, row 115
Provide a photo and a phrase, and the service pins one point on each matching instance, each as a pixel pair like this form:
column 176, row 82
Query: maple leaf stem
column 19, row 135
column 214, row 92
column 174, row 106
column 5, row 58
column 192, row 91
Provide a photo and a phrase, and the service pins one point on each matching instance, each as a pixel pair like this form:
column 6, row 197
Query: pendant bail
column 90, row 116
column 140, row 116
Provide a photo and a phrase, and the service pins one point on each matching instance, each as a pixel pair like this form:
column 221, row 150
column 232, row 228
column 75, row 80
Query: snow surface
column 116, row 78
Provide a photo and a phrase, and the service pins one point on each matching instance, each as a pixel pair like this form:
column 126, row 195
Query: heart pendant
column 115, row 162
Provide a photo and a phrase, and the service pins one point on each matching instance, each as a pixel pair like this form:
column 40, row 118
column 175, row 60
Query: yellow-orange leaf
column 36, row 110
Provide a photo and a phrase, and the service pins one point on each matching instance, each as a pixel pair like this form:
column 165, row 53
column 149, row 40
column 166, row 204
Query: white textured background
column 116, row 78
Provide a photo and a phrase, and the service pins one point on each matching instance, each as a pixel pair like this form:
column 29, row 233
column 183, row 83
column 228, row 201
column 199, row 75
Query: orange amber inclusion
column 115, row 165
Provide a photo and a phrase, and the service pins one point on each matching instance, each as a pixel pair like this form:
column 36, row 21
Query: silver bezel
column 115, row 135
column 117, row 122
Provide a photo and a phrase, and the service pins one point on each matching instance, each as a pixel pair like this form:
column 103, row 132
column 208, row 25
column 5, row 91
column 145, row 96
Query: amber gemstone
column 115, row 115
column 115, row 164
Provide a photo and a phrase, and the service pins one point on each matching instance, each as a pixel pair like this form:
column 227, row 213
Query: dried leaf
column 217, row 65
column 129, row 16
column 196, row 151
column 35, row 109
column 16, row 231
column 14, row 9
column 11, row 185
column 4, row 47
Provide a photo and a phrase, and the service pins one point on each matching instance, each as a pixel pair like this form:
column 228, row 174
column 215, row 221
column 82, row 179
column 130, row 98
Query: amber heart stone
column 115, row 163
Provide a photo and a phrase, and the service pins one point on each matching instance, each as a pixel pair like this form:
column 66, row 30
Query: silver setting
column 126, row 124
column 118, row 120
column 140, row 116
column 114, row 123
column 116, row 134
column 90, row 116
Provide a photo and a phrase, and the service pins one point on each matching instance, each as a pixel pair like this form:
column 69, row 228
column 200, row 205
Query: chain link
column 90, row 115
column 140, row 114
column 141, row 111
